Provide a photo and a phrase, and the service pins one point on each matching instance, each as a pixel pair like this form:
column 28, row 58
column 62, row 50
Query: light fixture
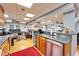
column 25, row 3
column 30, row 15
column 43, row 26
column 23, row 22
column 26, row 18
column 48, row 21
column 5, row 15
column 56, row 16
column 8, row 20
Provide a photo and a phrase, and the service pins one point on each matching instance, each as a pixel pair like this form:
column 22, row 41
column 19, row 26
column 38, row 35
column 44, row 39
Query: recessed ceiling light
column 30, row 15
column 48, row 21
column 26, row 18
column 56, row 16
column 43, row 26
column 23, row 22
column 8, row 20
column 5, row 15
column 25, row 3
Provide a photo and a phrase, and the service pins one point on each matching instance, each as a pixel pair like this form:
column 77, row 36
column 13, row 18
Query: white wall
column 69, row 21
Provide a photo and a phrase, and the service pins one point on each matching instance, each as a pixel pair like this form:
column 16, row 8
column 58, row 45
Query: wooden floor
column 77, row 50
column 19, row 45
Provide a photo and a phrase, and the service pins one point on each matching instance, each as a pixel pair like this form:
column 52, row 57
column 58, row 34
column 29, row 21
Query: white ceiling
column 15, row 11
column 78, row 8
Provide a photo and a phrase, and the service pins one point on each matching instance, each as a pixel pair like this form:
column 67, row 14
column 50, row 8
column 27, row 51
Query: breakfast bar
column 59, row 45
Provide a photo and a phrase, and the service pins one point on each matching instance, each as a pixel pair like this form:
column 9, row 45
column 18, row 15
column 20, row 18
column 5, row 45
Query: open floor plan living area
column 39, row 29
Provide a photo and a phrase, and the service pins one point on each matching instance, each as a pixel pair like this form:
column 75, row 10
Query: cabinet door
column 57, row 50
column 42, row 45
column 48, row 48
column 38, row 42
column 67, row 49
column 35, row 41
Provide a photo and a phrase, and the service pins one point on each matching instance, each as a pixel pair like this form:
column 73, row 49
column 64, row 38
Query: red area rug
column 27, row 52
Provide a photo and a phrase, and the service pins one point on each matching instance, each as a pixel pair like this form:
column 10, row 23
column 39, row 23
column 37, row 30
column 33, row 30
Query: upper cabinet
column 1, row 15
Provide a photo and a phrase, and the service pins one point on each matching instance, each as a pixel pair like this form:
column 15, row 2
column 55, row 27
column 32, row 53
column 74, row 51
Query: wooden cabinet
column 42, row 45
column 67, row 49
column 37, row 39
column 38, row 42
column 52, row 48
column 35, row 42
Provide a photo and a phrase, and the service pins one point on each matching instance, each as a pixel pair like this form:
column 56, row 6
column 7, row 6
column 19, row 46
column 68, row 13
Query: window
column 17, row 27
column 11, row 26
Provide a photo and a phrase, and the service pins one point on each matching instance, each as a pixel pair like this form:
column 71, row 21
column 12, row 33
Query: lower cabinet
column 53, row 48
column 67, row 49
column 38, row 45
column 48, row 48
column 37, row 39
column 57, row 50
column 42, row 45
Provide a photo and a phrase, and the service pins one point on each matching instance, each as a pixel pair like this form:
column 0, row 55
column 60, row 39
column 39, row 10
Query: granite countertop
column 63, row 41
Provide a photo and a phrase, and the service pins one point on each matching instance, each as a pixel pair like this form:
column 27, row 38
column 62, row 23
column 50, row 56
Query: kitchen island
column 59, row 45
